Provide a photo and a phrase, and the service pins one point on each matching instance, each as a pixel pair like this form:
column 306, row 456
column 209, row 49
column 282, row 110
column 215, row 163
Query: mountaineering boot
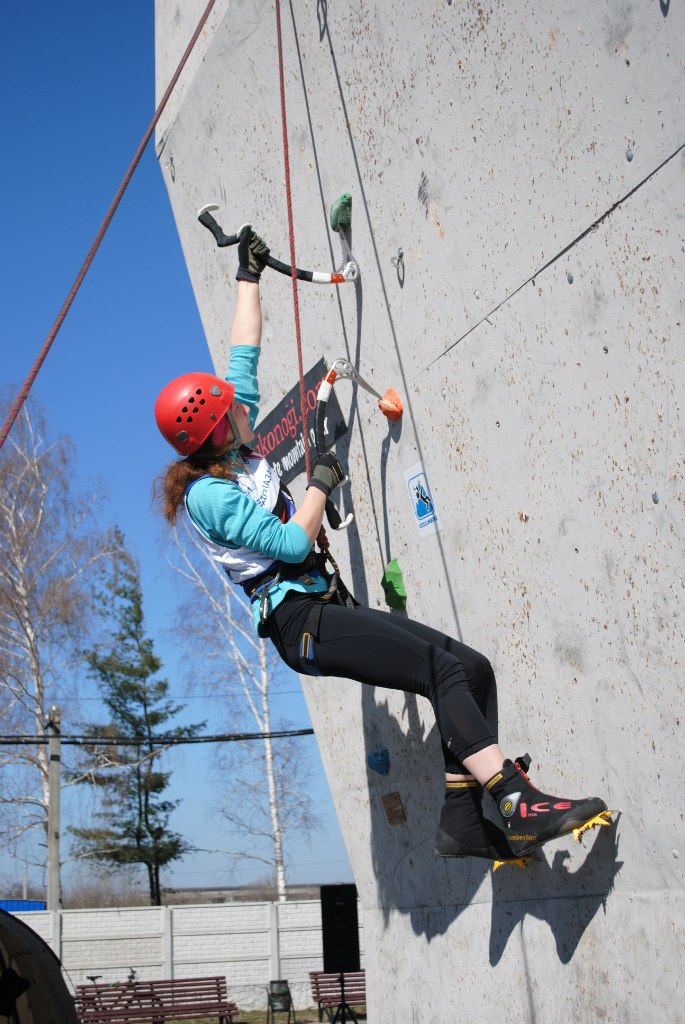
column 464, row 832
column 531, row 817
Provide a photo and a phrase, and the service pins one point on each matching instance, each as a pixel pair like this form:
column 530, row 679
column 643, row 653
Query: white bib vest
column 262, row 484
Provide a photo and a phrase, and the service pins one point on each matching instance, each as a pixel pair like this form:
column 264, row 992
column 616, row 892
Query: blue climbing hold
column 379, row 761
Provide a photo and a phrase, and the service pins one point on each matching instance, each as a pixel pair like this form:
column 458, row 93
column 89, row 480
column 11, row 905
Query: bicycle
column 97, row 1001
column 132, row 975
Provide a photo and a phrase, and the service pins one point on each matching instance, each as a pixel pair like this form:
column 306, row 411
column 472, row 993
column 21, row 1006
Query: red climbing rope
column 291, row 231
column 40, row 359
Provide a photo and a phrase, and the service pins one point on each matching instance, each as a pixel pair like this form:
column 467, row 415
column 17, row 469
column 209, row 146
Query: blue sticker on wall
column 423, row 505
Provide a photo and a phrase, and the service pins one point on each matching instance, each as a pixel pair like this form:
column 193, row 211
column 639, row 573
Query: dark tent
column 32, row 990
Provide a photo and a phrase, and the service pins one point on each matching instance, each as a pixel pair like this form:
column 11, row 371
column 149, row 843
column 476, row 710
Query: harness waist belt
column 286, row 571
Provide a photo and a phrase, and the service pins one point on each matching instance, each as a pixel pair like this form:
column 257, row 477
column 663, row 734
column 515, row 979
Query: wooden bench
column 155, row 1001
column 327, row 991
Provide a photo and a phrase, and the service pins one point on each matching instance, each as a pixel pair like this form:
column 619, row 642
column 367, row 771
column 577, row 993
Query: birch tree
column 49, row 562
column 267, row 781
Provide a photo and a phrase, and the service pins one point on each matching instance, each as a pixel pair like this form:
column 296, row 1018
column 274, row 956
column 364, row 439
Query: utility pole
column 53, row 727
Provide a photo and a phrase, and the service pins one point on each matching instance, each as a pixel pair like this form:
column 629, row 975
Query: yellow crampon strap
column 519, row 862
column 603, row 818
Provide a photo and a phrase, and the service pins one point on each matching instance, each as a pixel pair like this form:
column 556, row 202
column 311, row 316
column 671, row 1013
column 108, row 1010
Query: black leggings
column 386, row 650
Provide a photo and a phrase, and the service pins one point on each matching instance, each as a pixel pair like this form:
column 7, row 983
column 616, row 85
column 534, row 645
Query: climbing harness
column 259, row 587
column 349, row 271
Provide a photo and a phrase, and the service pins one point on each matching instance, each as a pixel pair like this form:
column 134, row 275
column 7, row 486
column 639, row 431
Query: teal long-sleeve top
column 235, row 520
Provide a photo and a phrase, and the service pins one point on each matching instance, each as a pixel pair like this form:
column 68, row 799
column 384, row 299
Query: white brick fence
column 249, row 943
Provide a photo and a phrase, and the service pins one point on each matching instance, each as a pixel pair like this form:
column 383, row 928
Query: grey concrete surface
column 529, row 162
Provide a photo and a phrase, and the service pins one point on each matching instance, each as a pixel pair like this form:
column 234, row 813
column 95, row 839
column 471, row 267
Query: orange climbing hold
column 391, row 404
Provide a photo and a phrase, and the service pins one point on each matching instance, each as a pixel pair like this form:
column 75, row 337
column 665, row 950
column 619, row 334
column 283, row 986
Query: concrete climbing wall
column 529, row 162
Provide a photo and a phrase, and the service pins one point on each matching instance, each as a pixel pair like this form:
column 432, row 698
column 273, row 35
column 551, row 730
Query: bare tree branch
column 49, row 565
column 274, row 794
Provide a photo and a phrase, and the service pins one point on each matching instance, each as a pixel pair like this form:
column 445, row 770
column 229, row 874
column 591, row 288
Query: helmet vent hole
column 202, row 401
column 179, row 419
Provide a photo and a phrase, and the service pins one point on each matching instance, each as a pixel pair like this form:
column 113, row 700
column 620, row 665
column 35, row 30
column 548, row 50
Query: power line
column 192, row 696
column 162, row 741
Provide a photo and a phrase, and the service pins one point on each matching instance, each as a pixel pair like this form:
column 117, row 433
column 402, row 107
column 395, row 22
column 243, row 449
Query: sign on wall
column 425, row 512
column 279, row 436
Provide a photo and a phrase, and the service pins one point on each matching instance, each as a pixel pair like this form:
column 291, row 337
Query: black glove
column 327, row 473
column 252, row 255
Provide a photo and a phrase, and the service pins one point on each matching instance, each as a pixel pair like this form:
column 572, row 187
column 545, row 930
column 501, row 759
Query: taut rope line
column 40, row 359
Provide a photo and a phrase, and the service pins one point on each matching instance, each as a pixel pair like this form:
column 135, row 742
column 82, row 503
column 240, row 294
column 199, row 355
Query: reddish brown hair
column 170, row 489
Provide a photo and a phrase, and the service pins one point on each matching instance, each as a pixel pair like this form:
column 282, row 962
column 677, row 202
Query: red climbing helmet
column 188, row 409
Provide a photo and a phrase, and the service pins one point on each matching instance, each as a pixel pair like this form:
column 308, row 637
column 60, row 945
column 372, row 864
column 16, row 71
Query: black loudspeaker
column 340, row 928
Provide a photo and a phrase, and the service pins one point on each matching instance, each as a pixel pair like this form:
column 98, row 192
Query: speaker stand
column 343, row 1008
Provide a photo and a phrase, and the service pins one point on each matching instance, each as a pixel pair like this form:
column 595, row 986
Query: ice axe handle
column 332, row 514
column 334, row 518
column 206, row 219
column 319, row 420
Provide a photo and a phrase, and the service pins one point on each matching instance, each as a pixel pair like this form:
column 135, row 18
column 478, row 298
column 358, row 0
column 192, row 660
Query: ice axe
column 389, row 403
column 349, row 271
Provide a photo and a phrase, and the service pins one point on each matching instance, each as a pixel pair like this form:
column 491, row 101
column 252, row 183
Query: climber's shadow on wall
column 551, row 891
column 565, row 884
column 404, row 759
column 404, row 766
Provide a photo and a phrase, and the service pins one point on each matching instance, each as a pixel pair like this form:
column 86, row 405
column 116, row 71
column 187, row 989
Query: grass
column 259, row 1017
column 310, row 1016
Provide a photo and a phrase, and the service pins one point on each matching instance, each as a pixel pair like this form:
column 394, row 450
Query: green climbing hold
column 341, row 212
column 393, row 586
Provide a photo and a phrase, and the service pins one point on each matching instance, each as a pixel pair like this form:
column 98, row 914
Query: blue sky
column 77, row 82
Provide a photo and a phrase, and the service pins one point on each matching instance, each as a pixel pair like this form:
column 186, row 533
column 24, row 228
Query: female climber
column 236, row 502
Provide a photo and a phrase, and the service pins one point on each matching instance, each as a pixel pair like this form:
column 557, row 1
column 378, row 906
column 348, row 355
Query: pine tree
column 135, row 815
